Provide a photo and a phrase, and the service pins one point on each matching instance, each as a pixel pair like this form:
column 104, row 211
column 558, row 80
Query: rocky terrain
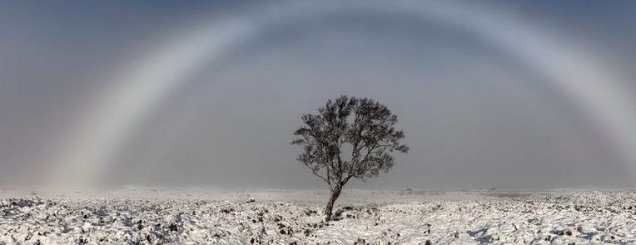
column 295, row 217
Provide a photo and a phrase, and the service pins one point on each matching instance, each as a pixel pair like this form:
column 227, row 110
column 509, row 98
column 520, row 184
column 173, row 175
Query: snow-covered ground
column 200, row 216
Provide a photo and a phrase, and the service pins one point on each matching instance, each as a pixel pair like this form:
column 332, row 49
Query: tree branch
column 315, row 172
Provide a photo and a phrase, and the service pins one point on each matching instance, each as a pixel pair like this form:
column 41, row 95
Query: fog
column 505, row 94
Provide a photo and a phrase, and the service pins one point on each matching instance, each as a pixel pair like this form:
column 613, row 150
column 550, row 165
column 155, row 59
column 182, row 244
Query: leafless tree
column 348, row 138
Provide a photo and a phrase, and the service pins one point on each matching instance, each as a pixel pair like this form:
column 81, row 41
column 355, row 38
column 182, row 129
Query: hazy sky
column 504, row 94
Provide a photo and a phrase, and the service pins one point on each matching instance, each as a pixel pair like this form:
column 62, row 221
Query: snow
column 201, row 216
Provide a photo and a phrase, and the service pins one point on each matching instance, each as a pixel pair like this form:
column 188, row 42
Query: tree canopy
column 349, row 138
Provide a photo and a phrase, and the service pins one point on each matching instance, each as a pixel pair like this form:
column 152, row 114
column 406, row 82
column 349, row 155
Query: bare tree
column 348, row 138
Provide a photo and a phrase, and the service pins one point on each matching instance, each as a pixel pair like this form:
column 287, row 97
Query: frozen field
column 199, row 216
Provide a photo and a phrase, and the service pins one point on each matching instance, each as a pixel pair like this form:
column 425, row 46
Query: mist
column 89, row 91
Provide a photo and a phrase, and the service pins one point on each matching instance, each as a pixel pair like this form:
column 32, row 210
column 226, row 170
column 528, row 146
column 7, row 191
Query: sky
column 504, row 94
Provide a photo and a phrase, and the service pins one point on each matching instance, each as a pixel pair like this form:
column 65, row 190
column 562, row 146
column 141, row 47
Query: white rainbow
column 579, row 75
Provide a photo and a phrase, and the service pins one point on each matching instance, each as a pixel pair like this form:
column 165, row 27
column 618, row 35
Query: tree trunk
column 335, row 193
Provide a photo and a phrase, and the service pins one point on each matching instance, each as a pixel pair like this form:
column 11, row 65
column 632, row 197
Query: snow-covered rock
column 295, row 217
